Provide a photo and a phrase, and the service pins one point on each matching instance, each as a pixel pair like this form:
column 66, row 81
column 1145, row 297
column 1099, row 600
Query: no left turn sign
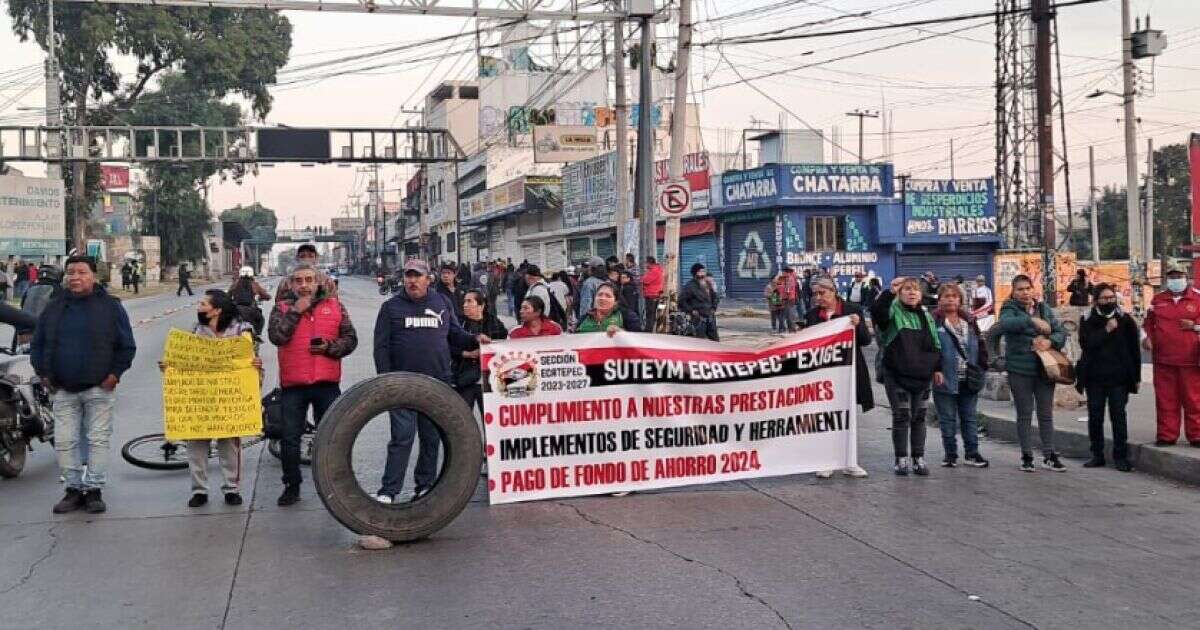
column 675, row 199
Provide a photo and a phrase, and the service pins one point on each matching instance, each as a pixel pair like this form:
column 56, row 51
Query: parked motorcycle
column 25, row 410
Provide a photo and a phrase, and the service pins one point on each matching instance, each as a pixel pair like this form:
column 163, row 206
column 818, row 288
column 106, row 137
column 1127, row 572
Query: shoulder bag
column 974, row 381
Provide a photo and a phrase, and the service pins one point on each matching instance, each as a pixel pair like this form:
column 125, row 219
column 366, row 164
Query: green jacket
column 589, row 323
column 1016, row 326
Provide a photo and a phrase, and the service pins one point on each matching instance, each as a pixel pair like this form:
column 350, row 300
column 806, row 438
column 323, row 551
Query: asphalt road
column 964, row 548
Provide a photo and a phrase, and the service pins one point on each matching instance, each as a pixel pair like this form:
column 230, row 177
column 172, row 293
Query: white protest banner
column 587, row 414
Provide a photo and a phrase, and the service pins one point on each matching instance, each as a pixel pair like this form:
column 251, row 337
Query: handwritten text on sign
column 210, row 388
column 589, row 414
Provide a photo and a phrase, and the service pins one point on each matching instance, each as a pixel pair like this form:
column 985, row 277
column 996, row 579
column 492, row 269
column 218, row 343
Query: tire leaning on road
column 333, row 471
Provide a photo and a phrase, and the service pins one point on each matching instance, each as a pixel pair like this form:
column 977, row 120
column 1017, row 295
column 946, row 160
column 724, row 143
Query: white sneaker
column 824, row 474
column 385, row 499
column 855, row 471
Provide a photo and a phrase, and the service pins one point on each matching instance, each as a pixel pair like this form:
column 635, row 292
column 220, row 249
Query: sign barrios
column 950, row 207
column 589, row 414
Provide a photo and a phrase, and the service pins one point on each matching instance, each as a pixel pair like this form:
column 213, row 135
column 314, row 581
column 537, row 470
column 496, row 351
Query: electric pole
column 1133, row 220
column 621, row 107
column 53, row 96
column 1148, row 231
column 645, row 142
column 860, row 114
column 1092, row 205
column 1042, row 17
column 678, row 146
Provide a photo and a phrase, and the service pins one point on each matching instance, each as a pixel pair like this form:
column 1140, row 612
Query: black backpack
column 557, row 312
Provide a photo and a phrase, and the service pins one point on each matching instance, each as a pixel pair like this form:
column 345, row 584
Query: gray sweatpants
column 1028, row 391
column 229, row 451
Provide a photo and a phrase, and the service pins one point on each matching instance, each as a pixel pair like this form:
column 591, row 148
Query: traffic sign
column 675, row 198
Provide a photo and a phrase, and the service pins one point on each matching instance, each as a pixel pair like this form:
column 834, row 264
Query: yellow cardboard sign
column 210, row 387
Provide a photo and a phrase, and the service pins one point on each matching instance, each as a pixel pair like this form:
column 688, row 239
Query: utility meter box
column 640, row 8
column 1147, row 43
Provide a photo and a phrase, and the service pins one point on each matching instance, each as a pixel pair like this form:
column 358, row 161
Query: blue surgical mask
column 1176, row 285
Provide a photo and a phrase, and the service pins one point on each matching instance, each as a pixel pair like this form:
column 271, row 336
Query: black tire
column 12, row 456
column 150, row 451
column 333, row 470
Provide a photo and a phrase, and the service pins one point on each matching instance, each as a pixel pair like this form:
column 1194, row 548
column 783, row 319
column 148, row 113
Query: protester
column 860, row 292
column 789, row 295
column 1029, row 325
column 956, row 402
column 82, row 345
column 135, row 276
column 1109, row 370
column 652, row 288
column 218, row 317
column 1171, row 328
column 560, row 289
column 700, row 301
column 245, row 293
column 449, row 286
column 609, row 315
column 876, row 287
column 414, row 332
column 912, row 365
column 1080, row 289
column 314, row 333
column 805, row 302
column 631, row 265
column 534, row 322
column 185, row 277
column 826, row 306
column 307, row 254
column 597, row 275
column 478, row 320
column 929, row 289
column 126, row 275
column 982, row 300
column 775, row 304
column 629, row 297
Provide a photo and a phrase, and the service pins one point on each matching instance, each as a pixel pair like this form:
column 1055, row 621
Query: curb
column 1146, row 458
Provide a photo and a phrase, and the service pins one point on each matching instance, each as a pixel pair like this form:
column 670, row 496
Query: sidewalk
column 1180, row 462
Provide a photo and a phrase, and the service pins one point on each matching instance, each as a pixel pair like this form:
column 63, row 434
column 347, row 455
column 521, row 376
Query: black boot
column 93, row 503
column 1096, row 461
column 71, row 501
column 291, row 494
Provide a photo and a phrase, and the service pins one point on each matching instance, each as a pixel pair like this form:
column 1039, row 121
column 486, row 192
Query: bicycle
column 154, row 452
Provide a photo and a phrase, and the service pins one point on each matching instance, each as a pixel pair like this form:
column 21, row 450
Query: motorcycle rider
column 246, row 291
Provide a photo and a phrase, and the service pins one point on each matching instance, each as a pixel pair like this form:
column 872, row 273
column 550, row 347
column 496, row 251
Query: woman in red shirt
column 534, row 322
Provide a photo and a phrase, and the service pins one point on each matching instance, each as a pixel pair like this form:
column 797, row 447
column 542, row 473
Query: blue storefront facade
column 850, row 218
column 804, row 216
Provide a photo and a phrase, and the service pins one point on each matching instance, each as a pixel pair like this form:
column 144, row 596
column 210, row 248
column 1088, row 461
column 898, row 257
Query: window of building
column 451, row 241
column 822, row 234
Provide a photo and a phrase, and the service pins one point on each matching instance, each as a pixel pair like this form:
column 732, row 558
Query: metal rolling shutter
column 946, row 265
column 700, row 249
column 556, row 257
column 533, row 253
column 750, row 258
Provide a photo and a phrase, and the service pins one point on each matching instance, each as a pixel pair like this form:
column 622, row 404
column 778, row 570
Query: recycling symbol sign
column 753, row 261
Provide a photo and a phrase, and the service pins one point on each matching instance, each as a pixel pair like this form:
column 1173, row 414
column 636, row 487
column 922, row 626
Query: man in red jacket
column 652, row 288
column 313, row 332
column 1173, row 337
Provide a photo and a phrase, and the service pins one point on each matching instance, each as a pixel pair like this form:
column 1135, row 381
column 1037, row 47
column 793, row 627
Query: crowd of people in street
column 937, row 341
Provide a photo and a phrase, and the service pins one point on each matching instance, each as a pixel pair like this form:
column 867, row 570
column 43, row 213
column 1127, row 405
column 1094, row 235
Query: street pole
column 1133, row 219
column 53, row 97
column 1148, row 231
column 621, row 107
column 678, row 146
column 1042, row 17
column 645, row 162
column 1092, row 204
column 860, row 115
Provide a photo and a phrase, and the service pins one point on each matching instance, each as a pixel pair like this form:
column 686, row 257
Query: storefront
column 944, row 226
column 698, row 243
column 803, row 216
column 516, row 220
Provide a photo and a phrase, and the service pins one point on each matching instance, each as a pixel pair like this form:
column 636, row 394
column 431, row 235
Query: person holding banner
column 314, row 333
column 700, row 301
column 478, row 320
column 1029, row 326
column 534, row 322
column 609, row 316
column 956, row 398
column 218, row 317
column 912, row 365
column 828, row 305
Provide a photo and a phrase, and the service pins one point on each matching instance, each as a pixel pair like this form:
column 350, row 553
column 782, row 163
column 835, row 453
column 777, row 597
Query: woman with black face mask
column 217, row 316
column 1109, row 371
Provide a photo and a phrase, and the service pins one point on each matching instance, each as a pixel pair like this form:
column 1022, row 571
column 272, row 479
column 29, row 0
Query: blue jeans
column 406, row 425
column 955, row 411
column 88, row 415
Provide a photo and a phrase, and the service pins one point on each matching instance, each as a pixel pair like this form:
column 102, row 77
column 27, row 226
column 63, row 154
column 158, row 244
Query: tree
column 1114, row 231
column 221, row 51
column 260, row 221
column 1172, row 207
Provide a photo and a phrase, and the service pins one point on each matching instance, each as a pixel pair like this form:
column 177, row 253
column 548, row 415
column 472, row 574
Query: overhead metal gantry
column 575, row 10
column 248, row 145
